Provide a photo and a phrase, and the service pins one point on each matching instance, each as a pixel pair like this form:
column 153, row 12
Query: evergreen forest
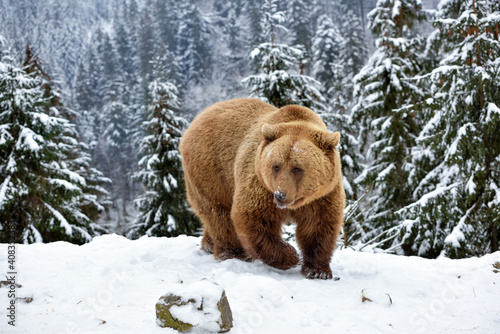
column 95, row 96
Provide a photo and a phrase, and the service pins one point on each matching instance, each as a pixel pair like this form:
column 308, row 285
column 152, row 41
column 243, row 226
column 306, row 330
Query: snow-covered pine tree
column 108, row 59
column 233, row 32
column 89, row 90
column 255, row 27
column 39, row 192
column 94, row 197
column 83, row 90
column 281, row 80
column 64, row 43
column 325, row 51
column 163, row 208
column 300, row 13
column 230, row 56
column 125, row 50
column 234, row 61
column 352, row 53
column 167, row 22
column 118, row 147
column 456, row 207
column 193, row 48
column 338, row 54
column 145, row 51
column 384, row 90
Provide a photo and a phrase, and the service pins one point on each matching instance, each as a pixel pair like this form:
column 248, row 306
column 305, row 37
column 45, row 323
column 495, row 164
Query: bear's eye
column 276, row 168
column 297, row 170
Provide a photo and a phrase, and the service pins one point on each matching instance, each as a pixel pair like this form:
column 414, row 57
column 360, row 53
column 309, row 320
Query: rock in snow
column 202, row 305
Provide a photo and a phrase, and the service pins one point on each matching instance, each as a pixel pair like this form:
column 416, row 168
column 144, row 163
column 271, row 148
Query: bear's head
column 298, row 162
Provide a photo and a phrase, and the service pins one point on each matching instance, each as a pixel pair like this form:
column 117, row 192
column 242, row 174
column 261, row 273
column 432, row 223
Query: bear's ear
column 330, row 140
column 269, row 132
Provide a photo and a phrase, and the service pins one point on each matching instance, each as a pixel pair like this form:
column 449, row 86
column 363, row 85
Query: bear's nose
column 280, row 197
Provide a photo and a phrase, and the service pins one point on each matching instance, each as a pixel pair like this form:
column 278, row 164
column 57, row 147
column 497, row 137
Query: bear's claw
column 317, row 273
column 239, row 254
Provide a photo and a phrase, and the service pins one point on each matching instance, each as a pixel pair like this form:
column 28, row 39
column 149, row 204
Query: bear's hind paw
column 239, row 254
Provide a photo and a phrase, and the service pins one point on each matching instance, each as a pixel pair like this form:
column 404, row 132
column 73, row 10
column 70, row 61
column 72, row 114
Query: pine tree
column 234, row 61
column 325, row 49
column 145, row 47
column 125, row 50
column 64, row 44
column 108, row 59
column 118, row 150
column 281, row 81
column 352, row 54
column 384, row 91
column 167, row 22
column 193, row 46
column 42, row 192
column 351, row 57
column 233, row 31
column 88, row 89
column 255, row 27
column 456, row 207
column 300, row 22
column 94, row 197
column 336, row 52
column 163, row 207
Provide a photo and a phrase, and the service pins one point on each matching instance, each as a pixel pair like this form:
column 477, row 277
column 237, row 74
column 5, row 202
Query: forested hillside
column 414, row 91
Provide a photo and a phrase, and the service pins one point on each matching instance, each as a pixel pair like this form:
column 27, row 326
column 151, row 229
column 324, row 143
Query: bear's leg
column 220, row 237
column 262, row 239
column 260, row 234
column 317, row 236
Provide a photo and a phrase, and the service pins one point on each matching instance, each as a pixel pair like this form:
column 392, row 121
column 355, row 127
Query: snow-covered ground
column 112, row 284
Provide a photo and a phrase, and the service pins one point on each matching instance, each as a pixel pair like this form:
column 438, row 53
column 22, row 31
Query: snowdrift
column 111, row 285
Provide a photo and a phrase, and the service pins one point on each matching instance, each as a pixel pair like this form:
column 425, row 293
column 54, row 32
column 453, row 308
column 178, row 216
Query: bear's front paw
column 285, row 258
column 314, row 272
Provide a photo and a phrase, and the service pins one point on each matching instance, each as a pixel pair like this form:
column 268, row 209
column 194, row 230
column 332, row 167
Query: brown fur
column 236, row 155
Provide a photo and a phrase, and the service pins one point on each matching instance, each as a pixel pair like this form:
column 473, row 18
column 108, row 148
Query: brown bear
column 250, row 167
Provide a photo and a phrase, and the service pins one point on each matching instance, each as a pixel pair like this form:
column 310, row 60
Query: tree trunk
column 494, row 238
column 362, row 14
column 123, row 191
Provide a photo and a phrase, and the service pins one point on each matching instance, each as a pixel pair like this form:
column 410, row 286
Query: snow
column 457, row 235
column 64, row 184
column 28, row 139
column 492, row 109
column 171, row 222
column 471, row 185
column 396, row 9
column 440, row 191
column 173, row 181
column 3, row 191
column 111, row 285
column 462, row 132
column 62, row 221
column 255, row 52
column 32, row 232
column 4, row 134
column 381, row 176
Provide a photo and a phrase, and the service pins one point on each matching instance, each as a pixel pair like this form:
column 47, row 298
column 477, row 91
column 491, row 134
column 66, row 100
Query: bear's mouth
column 281, row 205
column 291, row 205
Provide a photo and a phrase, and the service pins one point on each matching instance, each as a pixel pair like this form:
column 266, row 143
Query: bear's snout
column 279, row 196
